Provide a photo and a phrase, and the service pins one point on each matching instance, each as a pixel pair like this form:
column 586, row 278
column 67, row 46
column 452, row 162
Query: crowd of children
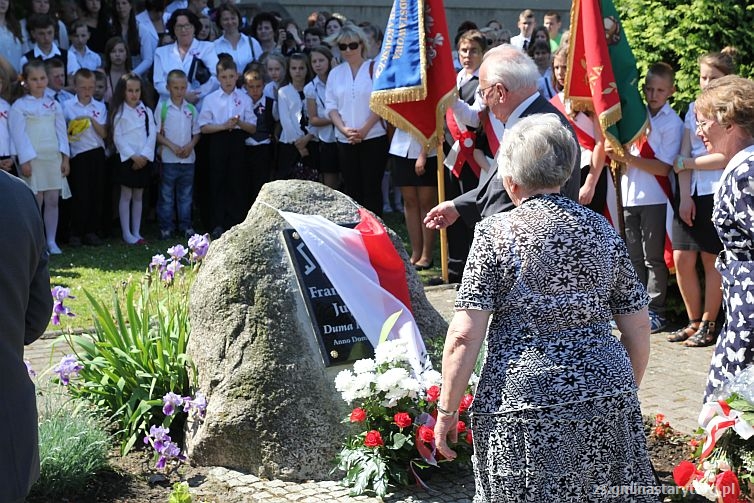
column 114, row 100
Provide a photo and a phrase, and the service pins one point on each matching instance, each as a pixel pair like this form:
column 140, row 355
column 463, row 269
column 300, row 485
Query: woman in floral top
column 555, row 416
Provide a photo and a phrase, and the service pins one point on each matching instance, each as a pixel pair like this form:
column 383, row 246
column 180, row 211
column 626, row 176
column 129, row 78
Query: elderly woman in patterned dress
column 725, row 123
column 556, row 416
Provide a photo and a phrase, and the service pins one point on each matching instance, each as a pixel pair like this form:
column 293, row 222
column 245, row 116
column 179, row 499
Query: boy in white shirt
column 87, row 159
column 85, row 57
column 227, row 118
column 177, row 135
column 526, row 25
column 646, row 189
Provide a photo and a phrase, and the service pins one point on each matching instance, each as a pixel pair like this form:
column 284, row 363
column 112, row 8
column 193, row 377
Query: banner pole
column 441, row 198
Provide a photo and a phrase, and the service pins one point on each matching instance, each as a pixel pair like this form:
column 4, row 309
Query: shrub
column 73, row 447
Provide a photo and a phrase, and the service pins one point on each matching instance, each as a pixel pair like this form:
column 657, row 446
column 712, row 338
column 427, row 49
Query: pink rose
column 465, row 402
column 425, row 434
column 461, row 427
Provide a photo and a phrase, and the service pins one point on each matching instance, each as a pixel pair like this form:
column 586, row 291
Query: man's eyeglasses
column 352, row 46
column 482, row 92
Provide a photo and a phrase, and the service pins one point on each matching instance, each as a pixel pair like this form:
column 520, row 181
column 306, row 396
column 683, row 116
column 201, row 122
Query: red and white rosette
column 715, row 418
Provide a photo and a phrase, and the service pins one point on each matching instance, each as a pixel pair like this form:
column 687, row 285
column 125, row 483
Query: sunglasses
column 352, row 46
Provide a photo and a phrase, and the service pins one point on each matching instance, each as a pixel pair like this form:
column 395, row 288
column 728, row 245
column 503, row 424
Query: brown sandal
column 685, row 332
column 705, row 336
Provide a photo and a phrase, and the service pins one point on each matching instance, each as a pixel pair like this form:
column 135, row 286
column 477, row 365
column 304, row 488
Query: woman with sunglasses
column 361, row 135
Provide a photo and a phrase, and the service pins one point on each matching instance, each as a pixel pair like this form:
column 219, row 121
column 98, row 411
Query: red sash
column 465, row 140
column 585, row 139
column 492, row 140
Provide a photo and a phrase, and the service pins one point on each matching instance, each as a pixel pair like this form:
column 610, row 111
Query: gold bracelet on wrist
column 446, row 412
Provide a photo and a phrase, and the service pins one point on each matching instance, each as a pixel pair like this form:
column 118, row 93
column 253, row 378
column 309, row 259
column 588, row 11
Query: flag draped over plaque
column 415, row 81
column 602, row 78
column 367, row 273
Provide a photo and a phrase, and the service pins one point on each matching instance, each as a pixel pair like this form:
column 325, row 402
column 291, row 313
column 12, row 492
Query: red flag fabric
column 414, row 77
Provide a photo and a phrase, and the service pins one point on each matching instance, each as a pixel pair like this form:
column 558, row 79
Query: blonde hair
column 729, row 100
column 723, row 61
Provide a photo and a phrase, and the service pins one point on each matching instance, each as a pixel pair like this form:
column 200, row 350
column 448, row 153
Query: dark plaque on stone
column 341, row 339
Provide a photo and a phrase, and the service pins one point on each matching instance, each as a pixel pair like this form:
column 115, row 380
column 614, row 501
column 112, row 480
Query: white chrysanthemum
column 431, row 377
column 411, row 386
column 391, row 378
column 365, row 365
column 393, row 351
column 344, row 380
column 473, row 382
column 704, row 490
column 362, row 384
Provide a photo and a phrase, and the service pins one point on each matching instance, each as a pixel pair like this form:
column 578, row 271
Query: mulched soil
column 131, row 480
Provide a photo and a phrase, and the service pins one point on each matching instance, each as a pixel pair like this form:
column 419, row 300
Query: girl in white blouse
column 319, row 123
column 134, row 134
column 7, row 151
column 39, row 134
column 361, row 135
column 295, row 142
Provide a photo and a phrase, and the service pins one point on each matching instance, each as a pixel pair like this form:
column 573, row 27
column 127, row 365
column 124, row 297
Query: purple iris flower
column 199, row 245
column 59, row 294
column 170, row 402
column 177, row 252
column 197, row 406
column 158, row 262
column 68, row 368
column 32, row 373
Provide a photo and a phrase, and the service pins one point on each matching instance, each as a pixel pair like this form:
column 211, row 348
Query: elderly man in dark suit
column 25, row 308
column 508, row 87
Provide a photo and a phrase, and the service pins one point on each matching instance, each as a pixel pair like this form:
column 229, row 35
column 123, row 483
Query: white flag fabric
column 343, row 256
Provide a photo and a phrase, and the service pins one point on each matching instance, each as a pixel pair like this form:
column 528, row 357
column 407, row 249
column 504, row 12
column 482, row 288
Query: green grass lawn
column 100, row 270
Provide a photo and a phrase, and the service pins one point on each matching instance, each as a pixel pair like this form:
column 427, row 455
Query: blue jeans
column 176, row 190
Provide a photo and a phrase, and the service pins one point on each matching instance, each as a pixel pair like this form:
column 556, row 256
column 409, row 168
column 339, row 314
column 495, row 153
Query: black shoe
column 420, row 267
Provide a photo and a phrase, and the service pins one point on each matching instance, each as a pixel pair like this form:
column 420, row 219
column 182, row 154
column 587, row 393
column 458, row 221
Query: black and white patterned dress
column 556, row 416
column 733, row 216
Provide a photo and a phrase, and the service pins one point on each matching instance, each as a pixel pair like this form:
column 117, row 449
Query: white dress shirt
column 290, row 108
column 640, row 188
column 167, row 58
column 90, row 59
column 144, row 60
column 31, row 106
column 181, row 123
column 703, row 181
column 130, row 132
column 148, row 36
column 71, row 65
column 6, row 144
column 349, row 96
column 316, row 90
column 242, row 53
column 60, row 96
column 405, row 145
column 219, row 106
column 89, row 139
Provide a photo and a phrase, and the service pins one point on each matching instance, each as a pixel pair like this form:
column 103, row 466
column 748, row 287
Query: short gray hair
column 511, row 67
column 537, row 152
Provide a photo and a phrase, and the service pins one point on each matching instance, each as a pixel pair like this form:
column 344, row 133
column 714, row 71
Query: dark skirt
column 702, row 236
column 133, row 178
column 404, row 173
column 328, row 158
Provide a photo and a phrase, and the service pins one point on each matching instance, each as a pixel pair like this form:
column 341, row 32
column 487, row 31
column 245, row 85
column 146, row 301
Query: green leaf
column 399, row 440
column 388, row 326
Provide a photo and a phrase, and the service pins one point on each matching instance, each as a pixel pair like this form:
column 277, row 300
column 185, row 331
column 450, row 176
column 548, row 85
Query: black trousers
column 259, row 169
column 87, row 182
column 460, row 235
column 362, row 165
column 227, row 173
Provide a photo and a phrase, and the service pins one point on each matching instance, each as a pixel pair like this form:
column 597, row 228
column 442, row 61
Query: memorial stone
column 263, row 357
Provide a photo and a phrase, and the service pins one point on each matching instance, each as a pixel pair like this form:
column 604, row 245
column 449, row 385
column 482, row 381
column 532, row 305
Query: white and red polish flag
column 369, row 275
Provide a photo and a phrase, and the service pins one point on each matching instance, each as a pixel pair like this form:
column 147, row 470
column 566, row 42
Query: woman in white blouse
column 361, row 135
column 320, row 124
column 242, row 48
column 188, row 54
